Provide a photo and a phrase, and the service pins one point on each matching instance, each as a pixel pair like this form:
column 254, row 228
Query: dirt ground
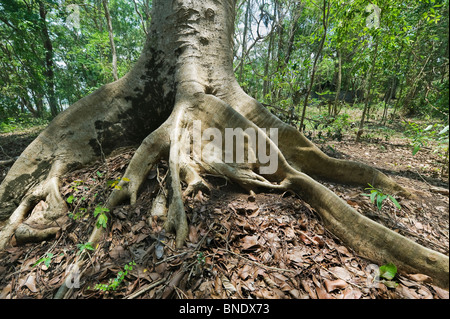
column 240, row 245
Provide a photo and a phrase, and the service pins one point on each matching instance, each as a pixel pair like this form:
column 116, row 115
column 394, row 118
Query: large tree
column 185, row 75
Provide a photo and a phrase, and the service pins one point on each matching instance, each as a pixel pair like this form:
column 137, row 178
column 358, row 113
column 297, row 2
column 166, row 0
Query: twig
column 171, row 257
column 257, row 263
column 145, row 289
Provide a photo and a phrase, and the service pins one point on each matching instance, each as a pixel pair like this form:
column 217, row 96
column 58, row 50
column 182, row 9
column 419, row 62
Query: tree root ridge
column 175, row 141
column 370, row 239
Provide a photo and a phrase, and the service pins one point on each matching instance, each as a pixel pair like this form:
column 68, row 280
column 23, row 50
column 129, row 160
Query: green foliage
column 19, row 121
column 102, row 218
column 81, row 56
column 377, row 197
column 201, row 258
column 436, row 135
column 113, row 284
column 388, row 272
column 84, row 247
column 46, row 260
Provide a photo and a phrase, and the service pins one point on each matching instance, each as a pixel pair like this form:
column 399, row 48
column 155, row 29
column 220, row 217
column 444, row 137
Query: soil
column 240, row 245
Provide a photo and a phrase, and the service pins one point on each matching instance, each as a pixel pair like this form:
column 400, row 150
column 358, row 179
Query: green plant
column 201, row 258
column 76, row 201
column 388, row 272
column 420, row 137
column 102, row 219
column 377, row 196
column 114, row 283
column 84, row 247
column 46, row 260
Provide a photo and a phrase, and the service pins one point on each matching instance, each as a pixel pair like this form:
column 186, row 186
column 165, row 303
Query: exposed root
column 304, row 156
column 40, row 214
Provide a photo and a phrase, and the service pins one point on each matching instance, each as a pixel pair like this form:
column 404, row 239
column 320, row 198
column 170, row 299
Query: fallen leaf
column 269, row 281
column 322, row 294
column 340, row 273
column 350, row 293
column 29, row 282
column 419, row 277
column 294, row 293
column 244, row 273
column 249, row 241
column 307, row 287
column 193, row 234
column 289, row 233
column 5, row 292
column 335, row 284
column 443, row 294
column 228, row 285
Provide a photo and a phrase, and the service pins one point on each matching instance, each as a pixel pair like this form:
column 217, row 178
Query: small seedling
column 102, row 219
column 377, row 196
column 46, row 260
column 114, row 283
column 83, row 247
column 388, row 272
column 200, row 258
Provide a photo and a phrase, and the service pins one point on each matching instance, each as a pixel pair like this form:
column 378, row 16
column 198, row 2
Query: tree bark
column 185, row 76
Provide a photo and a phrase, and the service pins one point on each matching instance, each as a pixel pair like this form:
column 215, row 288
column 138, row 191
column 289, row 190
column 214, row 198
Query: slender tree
column 111, row 40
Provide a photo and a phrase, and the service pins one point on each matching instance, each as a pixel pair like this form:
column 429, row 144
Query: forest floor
column 266, row 245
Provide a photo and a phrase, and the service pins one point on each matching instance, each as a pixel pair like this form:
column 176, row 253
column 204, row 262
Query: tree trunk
column 368, row 92
column 338, row 90
column 49, row 74
column 111, row 39
column 244, row 40
column 325, row 13
column 182, row 89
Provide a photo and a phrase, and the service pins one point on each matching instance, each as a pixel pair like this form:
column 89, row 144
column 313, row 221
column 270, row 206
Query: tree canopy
column 55, row 52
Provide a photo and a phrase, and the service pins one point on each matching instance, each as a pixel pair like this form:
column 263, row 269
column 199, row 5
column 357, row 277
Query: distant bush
column 20, row 122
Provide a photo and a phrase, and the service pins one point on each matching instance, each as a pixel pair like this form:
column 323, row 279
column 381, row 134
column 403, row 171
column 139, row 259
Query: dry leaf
column 335, row 284
column 29, row 282
column 249, row 241
column 443, row 294
column 308, row 289
column 228, row 285
column 341, row 273
column 294, row 293
column 322, row 294
column 269, row 281
column 350, row 293
column 5, row 292
column 193, row 234
column 244, row 273
column 419, row 277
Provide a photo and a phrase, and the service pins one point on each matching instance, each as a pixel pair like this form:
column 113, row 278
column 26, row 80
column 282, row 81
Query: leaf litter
column 265, row 245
